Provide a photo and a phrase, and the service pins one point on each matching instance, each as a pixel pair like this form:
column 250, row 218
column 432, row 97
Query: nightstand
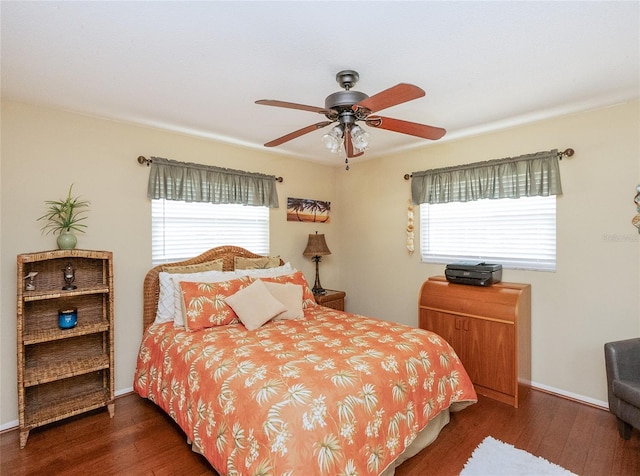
column 333, row 299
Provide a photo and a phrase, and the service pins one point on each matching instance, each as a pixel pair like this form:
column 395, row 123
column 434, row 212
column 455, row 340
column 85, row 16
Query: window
column 182, row 230
column 517, row 233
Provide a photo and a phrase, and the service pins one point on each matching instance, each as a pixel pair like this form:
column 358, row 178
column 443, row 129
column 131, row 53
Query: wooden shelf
column 64, row 372
column 56, row 370
column 64, row 407
column 55, row 333
column 29, row 296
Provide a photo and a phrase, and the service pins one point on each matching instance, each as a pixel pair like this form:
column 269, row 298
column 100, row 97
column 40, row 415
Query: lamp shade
column 333, row 139
column 316, row 246
column 360, row 137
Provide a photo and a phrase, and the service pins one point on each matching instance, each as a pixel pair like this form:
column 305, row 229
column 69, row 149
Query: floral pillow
column 263, row 262
column 208, row 277
column 308, row 300
column 169, row 297
column 204, row 304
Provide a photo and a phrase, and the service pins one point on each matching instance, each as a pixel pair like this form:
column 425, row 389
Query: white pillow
column 255, row 305
column 290, row 295
column 206, row 277
column 165, row 299
column 266, row 272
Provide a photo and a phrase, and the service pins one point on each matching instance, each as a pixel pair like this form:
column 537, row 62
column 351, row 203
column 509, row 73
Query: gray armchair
column 622, row 359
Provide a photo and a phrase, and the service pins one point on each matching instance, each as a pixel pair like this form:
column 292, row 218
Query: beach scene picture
column 304, row 209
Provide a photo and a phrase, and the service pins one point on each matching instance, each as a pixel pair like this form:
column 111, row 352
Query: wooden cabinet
column 333, row 299
column 64, row 372
column 488, row 327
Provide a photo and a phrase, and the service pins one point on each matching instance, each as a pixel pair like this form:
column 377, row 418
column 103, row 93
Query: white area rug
column 493, row 457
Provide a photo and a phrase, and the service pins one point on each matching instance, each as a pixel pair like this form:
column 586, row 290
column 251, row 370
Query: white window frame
column 516, row 233
column 181, row 230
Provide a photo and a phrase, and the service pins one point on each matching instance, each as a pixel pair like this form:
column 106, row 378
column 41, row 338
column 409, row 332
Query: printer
column 475, row 273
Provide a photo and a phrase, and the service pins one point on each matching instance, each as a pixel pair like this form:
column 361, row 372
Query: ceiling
column 198, row 67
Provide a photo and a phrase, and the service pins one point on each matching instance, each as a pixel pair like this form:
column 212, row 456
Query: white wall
column 593, row 296
column 45, row 150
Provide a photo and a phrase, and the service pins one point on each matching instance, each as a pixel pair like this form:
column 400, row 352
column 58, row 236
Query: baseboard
column 571, row 396
column 124, row 391
column 10, row 425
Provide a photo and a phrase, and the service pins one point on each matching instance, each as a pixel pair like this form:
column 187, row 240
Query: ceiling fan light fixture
column 347, row 107
column 333, row 139
column 360, row 137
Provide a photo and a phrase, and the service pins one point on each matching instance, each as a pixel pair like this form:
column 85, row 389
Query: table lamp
column 317, row 248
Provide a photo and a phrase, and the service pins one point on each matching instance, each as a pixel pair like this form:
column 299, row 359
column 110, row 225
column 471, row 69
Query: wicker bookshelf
column 64, row 372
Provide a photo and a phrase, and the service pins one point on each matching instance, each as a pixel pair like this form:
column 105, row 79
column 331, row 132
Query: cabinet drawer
column 499, row 301
column 335, row 304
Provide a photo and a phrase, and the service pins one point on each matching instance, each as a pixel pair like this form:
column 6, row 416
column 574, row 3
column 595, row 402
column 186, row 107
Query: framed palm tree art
column 304, row 209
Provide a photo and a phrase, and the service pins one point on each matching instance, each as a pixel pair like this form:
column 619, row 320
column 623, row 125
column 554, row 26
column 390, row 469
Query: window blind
column 517, row 233
column 182, row 230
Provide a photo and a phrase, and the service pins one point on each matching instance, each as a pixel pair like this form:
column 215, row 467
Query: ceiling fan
column 349, row 107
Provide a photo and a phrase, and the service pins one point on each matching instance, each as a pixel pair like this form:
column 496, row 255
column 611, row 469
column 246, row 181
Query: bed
column 312, row 390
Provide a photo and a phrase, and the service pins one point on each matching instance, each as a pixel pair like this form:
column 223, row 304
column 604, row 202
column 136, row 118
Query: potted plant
column 64, row 217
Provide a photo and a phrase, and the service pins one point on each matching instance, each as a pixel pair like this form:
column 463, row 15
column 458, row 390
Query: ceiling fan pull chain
column 346, row 161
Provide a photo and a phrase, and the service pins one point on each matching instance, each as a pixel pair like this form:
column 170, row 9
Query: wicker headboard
column 152, row 280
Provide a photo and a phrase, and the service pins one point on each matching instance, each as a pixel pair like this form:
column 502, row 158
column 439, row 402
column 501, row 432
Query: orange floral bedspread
column 335, row 393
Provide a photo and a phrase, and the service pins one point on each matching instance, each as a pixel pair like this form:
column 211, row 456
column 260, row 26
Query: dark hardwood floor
column 142, row 440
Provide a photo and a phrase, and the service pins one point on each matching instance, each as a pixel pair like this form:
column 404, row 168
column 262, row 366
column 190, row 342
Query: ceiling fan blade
column 348, row 145
column 397, row 94
column 293, row 105
column 298, row 133
column 406, row 127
